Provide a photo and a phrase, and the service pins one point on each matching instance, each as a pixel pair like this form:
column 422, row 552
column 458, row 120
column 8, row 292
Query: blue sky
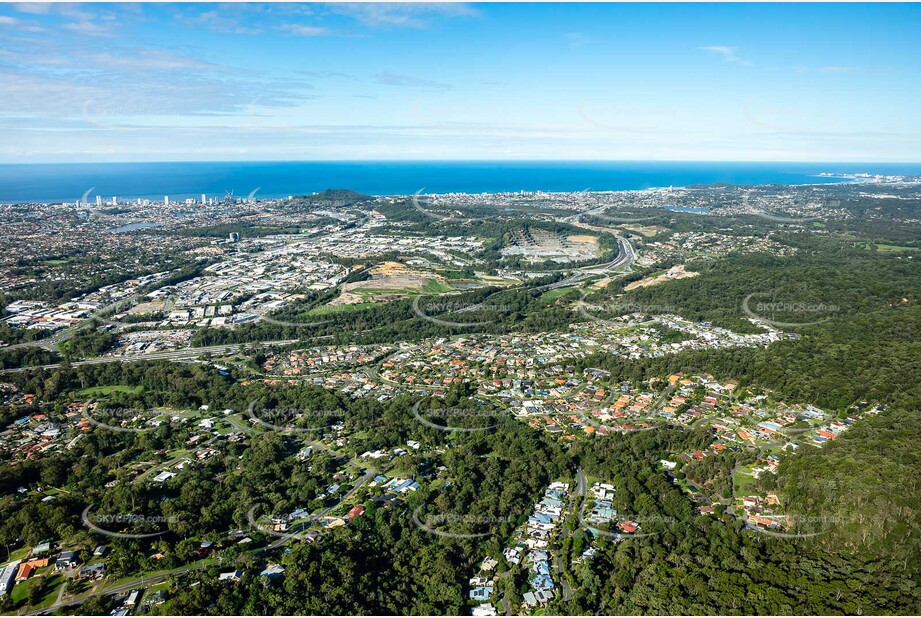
column 177, row 82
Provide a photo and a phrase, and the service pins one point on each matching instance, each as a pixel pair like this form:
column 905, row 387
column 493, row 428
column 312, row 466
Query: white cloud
column 333, row 75
column 403, row 14
column 576, row 39
column 34, row 8
column 839, row 70
column 729, row 54
column 229, row 19
column 149, row 60
column 89, row 28
column 406, row 81
column 71, row 10
column 305, row 30
column 19, row 24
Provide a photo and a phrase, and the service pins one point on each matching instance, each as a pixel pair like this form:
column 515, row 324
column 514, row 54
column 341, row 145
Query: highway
column 181, row 354
column 625, row 258
column 51, row 343
column 48, row 343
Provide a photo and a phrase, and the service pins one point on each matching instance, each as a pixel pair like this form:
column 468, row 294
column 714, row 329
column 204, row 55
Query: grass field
column 52, row 581
column 742, row 482
column 327, row 309
column 135, row 579
column 18, row 554
column 894, row 248
column 553, row 295
column 433, row 286
column 95, row 391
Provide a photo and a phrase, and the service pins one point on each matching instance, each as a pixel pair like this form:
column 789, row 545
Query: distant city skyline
column 321, row 81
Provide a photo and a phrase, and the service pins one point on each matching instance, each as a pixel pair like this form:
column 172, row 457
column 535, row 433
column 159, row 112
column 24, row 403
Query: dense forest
column 690, row 564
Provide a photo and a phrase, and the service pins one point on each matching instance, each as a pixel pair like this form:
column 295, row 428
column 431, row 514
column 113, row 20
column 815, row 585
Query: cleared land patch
column 540, row 246
column 675, row 272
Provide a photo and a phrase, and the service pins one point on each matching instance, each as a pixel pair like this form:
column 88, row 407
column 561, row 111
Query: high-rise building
column 166, row 200
column 114, row 201
column 203, row 200
column 99, row 200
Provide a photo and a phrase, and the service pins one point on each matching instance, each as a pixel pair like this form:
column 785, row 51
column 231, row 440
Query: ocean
column 70, row 182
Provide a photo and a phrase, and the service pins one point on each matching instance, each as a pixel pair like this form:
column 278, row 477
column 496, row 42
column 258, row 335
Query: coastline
column 73, row 182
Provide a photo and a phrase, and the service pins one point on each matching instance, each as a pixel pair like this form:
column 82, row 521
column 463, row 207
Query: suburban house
column 66, row 560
